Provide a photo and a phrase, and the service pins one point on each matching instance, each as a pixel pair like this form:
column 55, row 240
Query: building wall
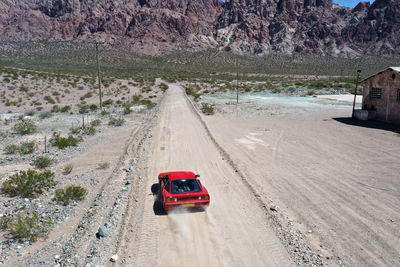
column 388, row 107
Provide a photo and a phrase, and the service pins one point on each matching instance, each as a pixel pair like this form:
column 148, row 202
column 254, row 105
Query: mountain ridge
column 241, row 26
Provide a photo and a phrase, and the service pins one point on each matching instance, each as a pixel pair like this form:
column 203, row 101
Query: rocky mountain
column 241, row 26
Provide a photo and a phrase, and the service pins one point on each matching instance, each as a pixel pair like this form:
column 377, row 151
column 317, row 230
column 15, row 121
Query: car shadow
column 370, row 124
column 158, row 208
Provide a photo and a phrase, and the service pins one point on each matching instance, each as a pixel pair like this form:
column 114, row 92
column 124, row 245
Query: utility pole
column 237, row 83
column 355, row 94
column 98, row 73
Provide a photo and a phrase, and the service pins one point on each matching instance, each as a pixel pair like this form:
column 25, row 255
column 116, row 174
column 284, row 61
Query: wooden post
column 45, row 144
column 83, row 121
column 98, row 73
column 355, row 94
column 237, row 83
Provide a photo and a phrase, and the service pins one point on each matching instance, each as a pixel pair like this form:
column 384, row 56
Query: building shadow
column 370, row 124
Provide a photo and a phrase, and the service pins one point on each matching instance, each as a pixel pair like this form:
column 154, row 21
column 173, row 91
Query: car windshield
column 185, row 186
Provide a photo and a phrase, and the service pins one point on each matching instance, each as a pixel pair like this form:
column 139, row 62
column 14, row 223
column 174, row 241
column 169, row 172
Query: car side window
column 201, row 186
column 167, row 185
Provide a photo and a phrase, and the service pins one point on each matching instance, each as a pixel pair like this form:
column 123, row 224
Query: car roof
column 178, row 175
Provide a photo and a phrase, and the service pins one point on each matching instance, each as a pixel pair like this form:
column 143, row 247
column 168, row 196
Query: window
column 376, row 93
column 185, row 186
column 167, row 186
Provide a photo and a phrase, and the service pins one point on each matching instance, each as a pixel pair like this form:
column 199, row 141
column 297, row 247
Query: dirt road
column 233, row 231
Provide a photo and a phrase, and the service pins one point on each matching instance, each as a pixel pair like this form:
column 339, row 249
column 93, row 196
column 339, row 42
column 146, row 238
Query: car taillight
column 168, row 200
column 206, row 197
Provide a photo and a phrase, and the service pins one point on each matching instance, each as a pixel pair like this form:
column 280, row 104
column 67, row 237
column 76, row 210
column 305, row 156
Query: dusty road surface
column 338, row 181
column 233, row 231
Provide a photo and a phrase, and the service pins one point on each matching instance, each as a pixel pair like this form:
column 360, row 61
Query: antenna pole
column 98, row 73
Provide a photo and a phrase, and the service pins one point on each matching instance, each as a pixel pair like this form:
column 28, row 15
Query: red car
column 182, row 190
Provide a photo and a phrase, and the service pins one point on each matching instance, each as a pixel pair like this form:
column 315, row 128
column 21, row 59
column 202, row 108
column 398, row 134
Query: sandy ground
column 338, row 182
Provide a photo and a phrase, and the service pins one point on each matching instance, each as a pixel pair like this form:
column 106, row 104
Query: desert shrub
column 276, row 91
column 93, row 107
column 96, row 122
column 27, row 147
column 148, row 103
column 28, row 183
column 318, row 84
column 55, row 109
column 49, row 99
column 87, row 95
column 192, row 92
column 63, row 142
column 104, row 165
column 71, row 193
column 65, row 109
column 116, row 121
column 310, row 93
column 127, row 109
column 30, row 113
column 83, row 109
column 108, row 102
column 27, row 226
column 67, row 169
column 4, row 222
column 24, row 89
column 104, row 113
column 164, row 87
column 42, row 162
column 138, row 100
column 25, row 127
column 207, row 109
column 75, row 130
column 90, row 130
column 11, row 149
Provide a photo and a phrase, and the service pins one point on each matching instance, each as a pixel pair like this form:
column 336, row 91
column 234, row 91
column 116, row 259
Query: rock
column 114, row 258
column 46, row 262
column 274, row 208
column 102, row 232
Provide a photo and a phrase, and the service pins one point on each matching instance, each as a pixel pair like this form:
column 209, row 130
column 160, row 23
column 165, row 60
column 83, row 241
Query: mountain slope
column 241, row 26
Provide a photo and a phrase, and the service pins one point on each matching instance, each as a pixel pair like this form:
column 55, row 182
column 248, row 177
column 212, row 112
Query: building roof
column 396, row 69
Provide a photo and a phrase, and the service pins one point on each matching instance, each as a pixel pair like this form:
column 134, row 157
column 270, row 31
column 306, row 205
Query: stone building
column 381, row 97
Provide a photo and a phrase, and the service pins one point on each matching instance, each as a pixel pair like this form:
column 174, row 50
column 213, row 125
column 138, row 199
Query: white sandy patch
column 251, row 142
column 347, row 98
